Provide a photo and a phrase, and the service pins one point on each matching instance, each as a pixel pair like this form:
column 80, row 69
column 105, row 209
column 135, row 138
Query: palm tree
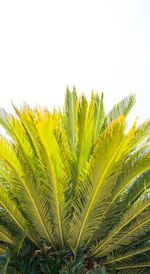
column 74, row 189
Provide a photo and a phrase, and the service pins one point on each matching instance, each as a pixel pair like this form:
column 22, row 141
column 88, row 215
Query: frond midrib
column 2, row 250
column 94, row 196
column 6, row 236
column 23, row 181
column 50, row 170
column 133, row 266
column 118, row 230
column 32, row 200
column 131, row 231
column 19, row 224
column 129, row 255
column 123, row 188
column 58, row 214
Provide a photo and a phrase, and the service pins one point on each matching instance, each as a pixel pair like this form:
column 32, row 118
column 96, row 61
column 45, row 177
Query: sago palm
column 74, row 189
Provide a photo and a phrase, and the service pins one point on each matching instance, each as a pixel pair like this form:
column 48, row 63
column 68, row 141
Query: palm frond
column 31, row 201
column 122, row 108
column 5, row 235
column 85, row 214
column 134, row 269
column 85, row 116
column 15, row 215
column 56, row 176
column 128, row 255
column 99, row 115
column 70, row 118
column 132, row 169
column 2, row 250
column 116, row 234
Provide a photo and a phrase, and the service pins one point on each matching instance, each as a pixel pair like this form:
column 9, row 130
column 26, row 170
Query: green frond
column 140, row 185
column 15, row 215
column 85, row 131
column 56, row 176
column 31, row 201
column 122, row 108
column 135, row 166
column 8, row 155
column 116, row 235
column 5, row 236
column 103, row 164
column 4, row 118
column 2, row 250
column 141, row 268
column 70, row 118
column 29, row 145
column 129, row 255
column 84, row 141
column 127, row 236
column 99, row 115
column 85, row 115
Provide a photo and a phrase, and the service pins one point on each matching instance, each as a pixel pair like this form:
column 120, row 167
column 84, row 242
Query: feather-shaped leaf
column 70, row 118
column 56, row 175
column 16, row 216
column 99, row 115
column 122, row 108
column 116, row 234
column 5, row 235
column 29, row 196
column 86, row 214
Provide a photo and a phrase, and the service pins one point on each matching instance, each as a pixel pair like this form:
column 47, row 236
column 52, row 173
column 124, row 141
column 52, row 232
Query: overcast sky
column 101, row 45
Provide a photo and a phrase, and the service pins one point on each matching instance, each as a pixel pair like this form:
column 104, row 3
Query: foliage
column 74, row 189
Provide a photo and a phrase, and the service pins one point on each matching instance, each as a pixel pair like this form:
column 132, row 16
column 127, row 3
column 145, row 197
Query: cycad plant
column 74, row 189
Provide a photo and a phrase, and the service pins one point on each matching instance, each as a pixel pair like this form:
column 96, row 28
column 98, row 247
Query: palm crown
column 76, row 180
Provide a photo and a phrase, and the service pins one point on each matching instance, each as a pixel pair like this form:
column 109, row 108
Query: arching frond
column 134, row 269
column 2, row 250
column 5, row 235
column 129, row 255
column 122, row 108
column 85, row 214
column 135, row 166
column 15, row 215
column 28, row 195
column 116, row 235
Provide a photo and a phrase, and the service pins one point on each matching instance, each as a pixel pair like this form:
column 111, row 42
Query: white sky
column 101, row 45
